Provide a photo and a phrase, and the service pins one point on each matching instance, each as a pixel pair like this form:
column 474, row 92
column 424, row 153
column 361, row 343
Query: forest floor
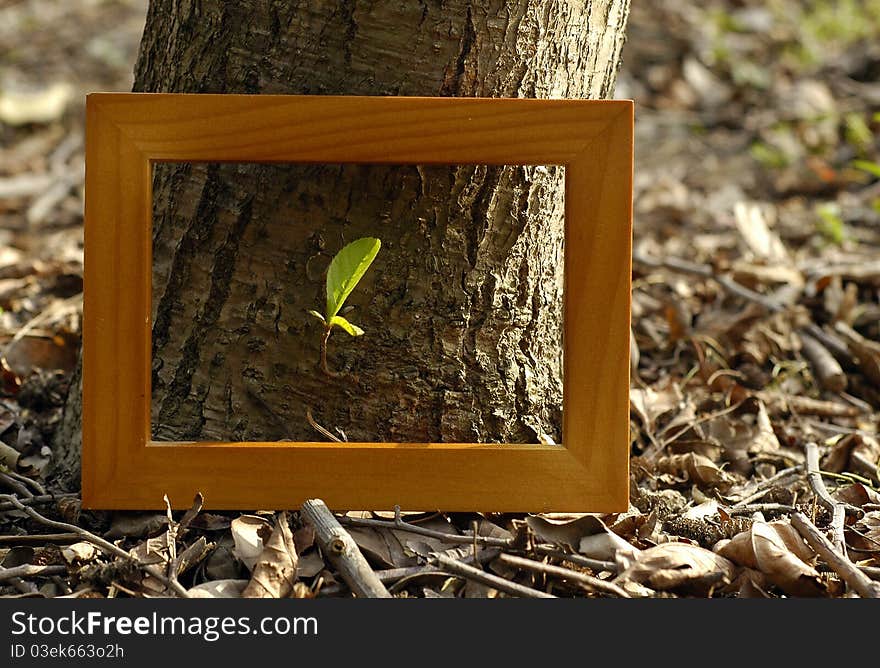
column 756, row 376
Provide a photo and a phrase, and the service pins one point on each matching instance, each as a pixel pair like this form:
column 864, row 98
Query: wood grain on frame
column 128, row 132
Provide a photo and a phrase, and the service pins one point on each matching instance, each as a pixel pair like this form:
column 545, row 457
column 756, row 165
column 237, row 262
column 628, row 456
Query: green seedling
column 343, row 275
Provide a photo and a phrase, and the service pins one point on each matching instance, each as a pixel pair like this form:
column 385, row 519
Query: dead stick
column 593, row 564
column 835, row 345
column 340, row 548
column 29, row 570
column 838, row 521
column 766, row 486
column 42, row 499
column 40, row 538
column 846, row 569
column 588, row 582
column 827, row 369
column 814, row 475
column 16, row 486
column 685, row 267
column 477, row 575
column 487, row 541
column 36, row 485
column 392, row 575
column 98, row 542
column 751, row 508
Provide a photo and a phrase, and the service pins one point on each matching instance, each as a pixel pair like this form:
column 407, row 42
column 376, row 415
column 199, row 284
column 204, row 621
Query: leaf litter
column 755, row 338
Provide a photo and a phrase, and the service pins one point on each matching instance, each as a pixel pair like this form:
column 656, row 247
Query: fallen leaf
column 309, row 564
column 193, row 555
column 780, row 564
column 679, row 567
column 864, row 535
column 79, row 552
column 249, row 532
column 587, row 535
column 221, row 565
column 135, row 525
column 219, row 589
column 696, row 468
column 567, row 533
column 779, row 553
column 153, row 550
column 650, row 405
column 856, row 494
column 275, row 571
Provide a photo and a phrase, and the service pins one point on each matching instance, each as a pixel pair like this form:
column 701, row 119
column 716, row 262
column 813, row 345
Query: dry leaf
column 153, row 550
column 219, row 589
column 696, row 468
column 856, row 494
column 309, row 564
column 650, row 405
column 587, row 535
column 135, row 525
column 866, row 352
column 780, row 564
column 779, row 553
column 395, row 548
column 79, row 553
column 275, row 572
column 679, row 567
column 249, row 532
column 864, row 536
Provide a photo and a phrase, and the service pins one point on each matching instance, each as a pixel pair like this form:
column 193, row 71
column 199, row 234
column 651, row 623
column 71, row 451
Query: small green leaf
column 318, row 316
column 354, row 330
column 346, row 269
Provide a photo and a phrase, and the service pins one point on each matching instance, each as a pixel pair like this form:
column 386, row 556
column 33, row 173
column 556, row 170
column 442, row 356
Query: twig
column 393, row 575
column 766, row 486
column 397, row 523
column 33, row 484
column 751, row 508
column 37, row 500
column 858, row 581
column 685, row 267
column 477, row 575
column 41, row 538
column 593, row 564
column 11, row 483
column 835, row 345
column 828, row 372
column 838, row 518
column 340, row 548
column 588, row 582
column 814, row 475
column 98, row 542
column 318, row 428
column 29, row 570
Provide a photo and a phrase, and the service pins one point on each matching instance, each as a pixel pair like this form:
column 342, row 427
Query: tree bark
column 463, row 306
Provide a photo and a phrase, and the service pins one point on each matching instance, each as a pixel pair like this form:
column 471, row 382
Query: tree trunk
column 462, row 308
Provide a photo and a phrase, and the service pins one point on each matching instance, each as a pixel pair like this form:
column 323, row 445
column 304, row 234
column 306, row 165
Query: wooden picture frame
column 122, row 468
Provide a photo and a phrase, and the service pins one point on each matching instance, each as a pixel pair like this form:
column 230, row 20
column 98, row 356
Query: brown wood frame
column 126, row 133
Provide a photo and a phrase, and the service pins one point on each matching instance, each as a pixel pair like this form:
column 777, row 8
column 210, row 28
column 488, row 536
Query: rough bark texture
column 463, row 306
